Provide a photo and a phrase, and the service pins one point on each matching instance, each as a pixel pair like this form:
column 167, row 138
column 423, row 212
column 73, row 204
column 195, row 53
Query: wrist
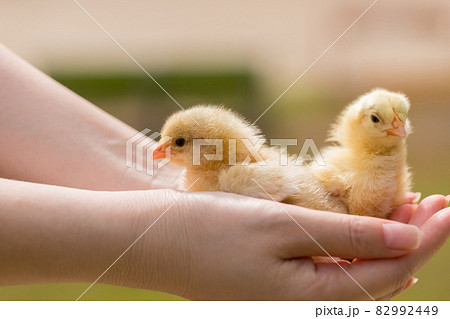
column 74, row 235
column 150, row 228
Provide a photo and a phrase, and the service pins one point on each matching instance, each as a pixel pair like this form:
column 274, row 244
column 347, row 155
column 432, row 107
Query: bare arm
column 200, row 249
column 50, row 135
column 206, row 246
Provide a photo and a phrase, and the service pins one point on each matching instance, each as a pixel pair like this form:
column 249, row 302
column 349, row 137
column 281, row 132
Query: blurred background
column 244, row 54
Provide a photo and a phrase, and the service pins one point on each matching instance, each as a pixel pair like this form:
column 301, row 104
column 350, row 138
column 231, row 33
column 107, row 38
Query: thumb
column 348, row 236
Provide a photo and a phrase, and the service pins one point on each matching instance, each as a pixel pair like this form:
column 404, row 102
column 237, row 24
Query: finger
column 436, row 231
column 363, row 279
column 403, row 213
column 313, row 233
column 323, row 259
column 412, row 198
column 427, row 208
column 412, row 281
column 379, row 277
column 398, row 291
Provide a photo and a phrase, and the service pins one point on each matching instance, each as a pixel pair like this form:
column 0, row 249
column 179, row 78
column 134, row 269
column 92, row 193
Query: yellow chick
column 227, row 153
column 367, row 168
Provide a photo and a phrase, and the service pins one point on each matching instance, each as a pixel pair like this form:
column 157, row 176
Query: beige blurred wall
column 403, row 43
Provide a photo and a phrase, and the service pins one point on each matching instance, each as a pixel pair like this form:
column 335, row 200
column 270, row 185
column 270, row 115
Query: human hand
column 225, row 246
column 208, row 245
column 62, row 130
column 408, row 213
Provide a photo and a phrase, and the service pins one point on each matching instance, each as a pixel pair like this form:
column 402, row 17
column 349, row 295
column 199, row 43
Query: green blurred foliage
column 302, row 113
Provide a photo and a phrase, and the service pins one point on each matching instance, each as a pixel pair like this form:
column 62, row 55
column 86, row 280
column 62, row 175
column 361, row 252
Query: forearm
column 51, row 135
column 206, row 245
column 74, row 235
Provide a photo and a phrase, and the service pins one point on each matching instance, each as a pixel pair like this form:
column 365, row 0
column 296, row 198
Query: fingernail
column 411, row 282
column 417, row 198
column 400, row 236
column 446, row 201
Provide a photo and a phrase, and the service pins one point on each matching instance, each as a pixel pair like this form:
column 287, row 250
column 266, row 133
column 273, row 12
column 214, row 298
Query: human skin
column 56, row 137
column 206, row 245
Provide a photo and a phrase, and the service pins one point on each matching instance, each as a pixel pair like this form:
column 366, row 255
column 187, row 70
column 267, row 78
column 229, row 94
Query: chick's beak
column 160, row 151
column 398, row 128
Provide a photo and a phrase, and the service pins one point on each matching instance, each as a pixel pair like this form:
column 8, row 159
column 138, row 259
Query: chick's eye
column 374, row 118
column 180, row 141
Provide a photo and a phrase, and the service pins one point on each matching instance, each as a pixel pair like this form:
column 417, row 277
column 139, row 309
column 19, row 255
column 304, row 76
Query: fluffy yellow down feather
column 291, row 184
column 367, row 167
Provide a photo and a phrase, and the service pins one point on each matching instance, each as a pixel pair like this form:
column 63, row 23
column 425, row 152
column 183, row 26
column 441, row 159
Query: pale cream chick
column 235, row 166
column 367, row 168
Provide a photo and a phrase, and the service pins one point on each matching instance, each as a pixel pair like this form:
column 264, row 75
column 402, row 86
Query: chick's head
column 378, row 119
column 201, row 137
